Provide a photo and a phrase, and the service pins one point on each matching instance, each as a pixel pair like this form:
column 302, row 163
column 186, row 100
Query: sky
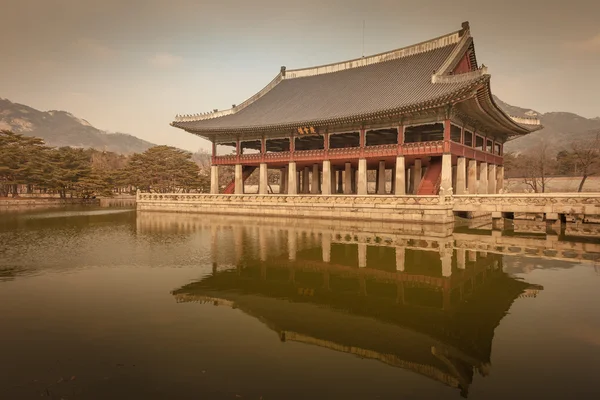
column 131, row 65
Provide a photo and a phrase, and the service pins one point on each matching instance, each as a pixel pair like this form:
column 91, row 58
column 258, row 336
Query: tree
column 21, row 161
column 586, row 156
column 66, row 168
column 165, row 169
column 536, row 168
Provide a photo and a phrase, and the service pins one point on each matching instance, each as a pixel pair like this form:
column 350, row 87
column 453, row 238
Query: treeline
column 537, row 168
column 27, row 165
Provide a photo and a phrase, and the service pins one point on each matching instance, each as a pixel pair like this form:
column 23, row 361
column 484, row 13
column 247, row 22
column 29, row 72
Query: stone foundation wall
column 18, row 202
column 430, row 209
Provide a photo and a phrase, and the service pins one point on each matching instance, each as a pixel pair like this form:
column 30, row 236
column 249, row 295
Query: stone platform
column 430, row 209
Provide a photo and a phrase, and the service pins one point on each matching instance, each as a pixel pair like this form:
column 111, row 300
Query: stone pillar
column 263, row 179
column 446, row 182
column 461, row 175
column 340, row 181
column 327, row 173
column 400, row 257
column 292, row 244
column 306, row 180
column 298, row 180
column 292, row 183
column 446, row 256
column 393, row 183
column 461, row 258
column 239, row 179
column 472, row 177
column 416, row 172
column 214, row 179
column 283, row 180
column 499, row 178
column 348, row 178
column 263, row 244
column 492, row 179
column 362, row 255
column 483, row 175
column 381, row 178
column 362, row 177
column 314, row 186
column 400, row 182
column 326, row 245
column 354, row 176
column 472, row 255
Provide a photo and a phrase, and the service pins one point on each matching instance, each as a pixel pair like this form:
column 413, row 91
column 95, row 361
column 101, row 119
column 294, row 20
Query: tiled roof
column 390, row 81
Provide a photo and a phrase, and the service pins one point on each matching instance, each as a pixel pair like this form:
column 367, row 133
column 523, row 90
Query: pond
column 113, row 303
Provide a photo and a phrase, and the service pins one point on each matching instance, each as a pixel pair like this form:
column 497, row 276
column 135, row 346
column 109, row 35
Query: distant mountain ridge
column 561, row 129
column 61, row 128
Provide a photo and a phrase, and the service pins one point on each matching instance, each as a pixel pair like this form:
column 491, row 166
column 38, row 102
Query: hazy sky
column 131, row 65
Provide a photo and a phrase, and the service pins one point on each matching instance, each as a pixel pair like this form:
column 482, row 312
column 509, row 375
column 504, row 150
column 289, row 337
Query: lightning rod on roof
column 363, row 40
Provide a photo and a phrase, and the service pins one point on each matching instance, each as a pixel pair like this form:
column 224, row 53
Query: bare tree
column 587, row 158
column 536, row 167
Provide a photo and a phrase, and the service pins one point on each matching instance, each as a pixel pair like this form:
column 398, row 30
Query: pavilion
column 423, row 113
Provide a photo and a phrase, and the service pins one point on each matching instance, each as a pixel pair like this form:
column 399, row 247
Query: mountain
column 560, row 130
column 60, row 128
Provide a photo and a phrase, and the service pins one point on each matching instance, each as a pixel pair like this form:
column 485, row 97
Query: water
column 104, row 303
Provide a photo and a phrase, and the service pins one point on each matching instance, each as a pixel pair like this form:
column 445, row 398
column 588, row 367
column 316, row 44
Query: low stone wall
column 432, row 209
column 46, row 201
column 543, row 203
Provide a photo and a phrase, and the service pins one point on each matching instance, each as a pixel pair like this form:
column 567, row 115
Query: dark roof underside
column 364, row 90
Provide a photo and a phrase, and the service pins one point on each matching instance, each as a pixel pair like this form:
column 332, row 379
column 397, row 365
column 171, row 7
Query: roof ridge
column 407, row 51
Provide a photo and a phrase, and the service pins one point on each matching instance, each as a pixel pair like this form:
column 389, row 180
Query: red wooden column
column 238, row 150
column 326, row 144
column 400, row 139
column 263, row 148
column 362, row 142
column 214, row 152
column 447, row 128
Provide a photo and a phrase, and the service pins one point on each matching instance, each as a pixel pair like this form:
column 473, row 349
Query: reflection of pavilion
column 432, row 312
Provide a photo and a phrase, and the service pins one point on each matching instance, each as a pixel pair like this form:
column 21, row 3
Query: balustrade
column 432, row 148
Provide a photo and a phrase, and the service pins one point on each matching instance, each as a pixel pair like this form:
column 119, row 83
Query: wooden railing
column 423, row 148
column 434, row 148
column 474, row 154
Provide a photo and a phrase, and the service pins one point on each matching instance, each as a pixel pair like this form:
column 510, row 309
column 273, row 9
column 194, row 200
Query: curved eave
column 504, row 118
column 450, row 98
